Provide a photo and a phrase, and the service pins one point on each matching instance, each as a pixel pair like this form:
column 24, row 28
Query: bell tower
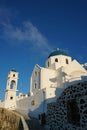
column 11, row 89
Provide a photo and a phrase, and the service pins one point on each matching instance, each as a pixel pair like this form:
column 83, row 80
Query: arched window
column 67, row 61
column 12, row 85
column 48, row 63
column 35, row 73
column 35, row 86
column 56, row 60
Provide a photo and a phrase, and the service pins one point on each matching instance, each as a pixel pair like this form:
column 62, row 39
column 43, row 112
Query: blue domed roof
column 13, row 70
column 58, row 52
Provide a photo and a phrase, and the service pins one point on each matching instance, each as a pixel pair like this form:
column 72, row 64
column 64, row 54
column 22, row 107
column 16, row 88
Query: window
column 56, row 60
column 67, row 61
column 35, row 73
column 33, row 102
column 48, row 63
column 13, row 75
column 35, row 85
column 11, row 98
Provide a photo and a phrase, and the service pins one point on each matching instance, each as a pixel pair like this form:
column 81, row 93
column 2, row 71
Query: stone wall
column 70, row 110
column 9, row 120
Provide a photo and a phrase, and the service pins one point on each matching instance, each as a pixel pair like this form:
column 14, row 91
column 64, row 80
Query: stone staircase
column 34, row 124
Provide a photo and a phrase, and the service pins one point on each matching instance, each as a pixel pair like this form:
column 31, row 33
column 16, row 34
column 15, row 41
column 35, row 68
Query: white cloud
column 26, row 33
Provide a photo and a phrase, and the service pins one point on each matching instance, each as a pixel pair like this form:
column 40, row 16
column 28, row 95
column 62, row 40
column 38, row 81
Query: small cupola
column 57, row 58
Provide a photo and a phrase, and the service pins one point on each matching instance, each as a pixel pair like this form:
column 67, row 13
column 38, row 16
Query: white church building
column 46, row 84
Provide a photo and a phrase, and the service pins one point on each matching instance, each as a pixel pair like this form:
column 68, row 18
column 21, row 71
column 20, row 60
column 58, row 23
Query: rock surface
column 9, row 120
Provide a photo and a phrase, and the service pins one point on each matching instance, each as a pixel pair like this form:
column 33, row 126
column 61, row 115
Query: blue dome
column 13, row 70
column 58, row 52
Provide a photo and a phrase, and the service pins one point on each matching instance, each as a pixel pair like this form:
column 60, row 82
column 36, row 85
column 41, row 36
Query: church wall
column 62, row 61
column 73, row 67
column 35, row 83
column 59, row 78
column 47, row 77
column 49, row 82
column 72, row 74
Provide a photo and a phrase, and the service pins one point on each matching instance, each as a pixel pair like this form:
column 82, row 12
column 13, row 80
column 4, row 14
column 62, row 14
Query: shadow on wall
column 42, row 108
column 40, row 112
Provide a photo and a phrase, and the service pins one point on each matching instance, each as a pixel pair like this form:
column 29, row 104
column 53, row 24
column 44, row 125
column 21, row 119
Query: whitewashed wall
column 26, row 106
column 2, row 104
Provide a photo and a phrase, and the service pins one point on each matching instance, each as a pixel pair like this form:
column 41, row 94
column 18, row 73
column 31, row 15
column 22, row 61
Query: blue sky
column 31, row 29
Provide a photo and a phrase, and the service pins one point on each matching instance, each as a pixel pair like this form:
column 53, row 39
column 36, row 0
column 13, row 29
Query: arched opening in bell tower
column 13, row 84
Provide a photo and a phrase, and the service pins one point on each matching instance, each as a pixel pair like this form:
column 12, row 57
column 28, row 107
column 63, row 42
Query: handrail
column 25, row 127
